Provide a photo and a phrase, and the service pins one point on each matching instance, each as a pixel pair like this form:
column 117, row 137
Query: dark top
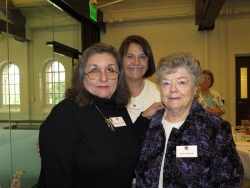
column 217, row 165
column 79, row 150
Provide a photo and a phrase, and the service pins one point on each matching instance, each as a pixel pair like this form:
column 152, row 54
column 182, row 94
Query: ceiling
column 43, row 14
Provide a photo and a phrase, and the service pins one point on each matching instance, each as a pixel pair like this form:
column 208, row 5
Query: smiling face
column 177, row 91
column 102, row 86
column 134, row 70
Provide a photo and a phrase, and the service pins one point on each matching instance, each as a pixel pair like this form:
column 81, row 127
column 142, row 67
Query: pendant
column 110, row 124
column 107, row 121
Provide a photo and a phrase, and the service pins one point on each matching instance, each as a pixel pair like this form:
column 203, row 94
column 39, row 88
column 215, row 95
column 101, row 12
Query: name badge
column 186, row 151
column 118, row 121
column 134, row 109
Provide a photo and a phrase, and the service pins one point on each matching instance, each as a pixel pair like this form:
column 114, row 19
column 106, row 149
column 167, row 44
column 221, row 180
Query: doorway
column 242, row 88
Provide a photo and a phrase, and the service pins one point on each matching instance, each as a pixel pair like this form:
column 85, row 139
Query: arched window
column 54, row 82
column 11, row 85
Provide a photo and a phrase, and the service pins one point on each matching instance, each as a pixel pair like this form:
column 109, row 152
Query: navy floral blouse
column 217, row 165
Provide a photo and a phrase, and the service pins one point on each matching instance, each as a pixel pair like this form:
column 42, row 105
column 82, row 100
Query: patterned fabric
column 216, row 99
column 217, row 165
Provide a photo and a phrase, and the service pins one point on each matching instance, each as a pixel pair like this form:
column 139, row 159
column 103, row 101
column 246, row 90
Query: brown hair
column 77, row 91
column 146, row 49
column 211, row 75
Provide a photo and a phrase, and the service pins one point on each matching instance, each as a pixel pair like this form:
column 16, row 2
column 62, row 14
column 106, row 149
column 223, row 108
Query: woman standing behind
column 209, row 98
column 138, row 64
column 88, row 139
column 185, row 145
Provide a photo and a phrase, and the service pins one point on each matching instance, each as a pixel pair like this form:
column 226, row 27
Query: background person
column 185, row 145
column 209, row 98
column 88, row 139
column 138, row 64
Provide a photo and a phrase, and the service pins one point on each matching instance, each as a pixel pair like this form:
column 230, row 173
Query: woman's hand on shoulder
column 151, row 111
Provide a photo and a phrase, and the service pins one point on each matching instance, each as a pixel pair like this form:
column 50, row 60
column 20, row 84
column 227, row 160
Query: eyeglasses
column 112, row 75
column 132, row 58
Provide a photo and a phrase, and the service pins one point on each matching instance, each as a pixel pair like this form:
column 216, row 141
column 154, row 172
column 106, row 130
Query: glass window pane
column 62, row 77
column 55, row 82
column 11, row 85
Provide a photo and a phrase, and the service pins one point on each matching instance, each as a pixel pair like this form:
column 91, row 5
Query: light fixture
column 64, row 50
column 55, row 5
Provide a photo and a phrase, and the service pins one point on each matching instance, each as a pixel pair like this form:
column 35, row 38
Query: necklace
column 107, row 120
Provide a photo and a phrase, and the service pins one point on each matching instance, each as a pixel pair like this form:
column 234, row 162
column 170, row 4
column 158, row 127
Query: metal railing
column 15, row 124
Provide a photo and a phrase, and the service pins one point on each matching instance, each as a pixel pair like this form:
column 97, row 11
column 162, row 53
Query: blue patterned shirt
column 217, row 165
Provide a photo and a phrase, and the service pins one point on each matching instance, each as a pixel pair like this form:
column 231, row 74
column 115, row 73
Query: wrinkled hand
column 38, row 148
column 150, row 112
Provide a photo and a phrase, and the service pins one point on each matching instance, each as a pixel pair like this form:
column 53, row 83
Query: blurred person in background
column 208, row 97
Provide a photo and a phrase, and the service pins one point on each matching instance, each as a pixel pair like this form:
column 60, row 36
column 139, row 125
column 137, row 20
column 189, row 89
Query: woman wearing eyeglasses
column 89, row 140
column 138, row 63
column 209, row 98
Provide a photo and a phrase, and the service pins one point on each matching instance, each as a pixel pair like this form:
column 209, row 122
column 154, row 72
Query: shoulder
column 200, row 98
column 220, row 130
column 157, row 118
column 64, row 107
column 152, row 89
column 65, row 103
column 149, row 83
column 66, row 114
column 214, row 92
column 203, row 116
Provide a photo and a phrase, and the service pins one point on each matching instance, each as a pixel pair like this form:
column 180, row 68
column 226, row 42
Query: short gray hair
column 169, row 64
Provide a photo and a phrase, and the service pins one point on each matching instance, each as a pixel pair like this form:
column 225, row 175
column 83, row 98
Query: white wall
column 215, row 49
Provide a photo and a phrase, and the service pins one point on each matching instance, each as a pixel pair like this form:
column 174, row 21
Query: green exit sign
column 93, row 13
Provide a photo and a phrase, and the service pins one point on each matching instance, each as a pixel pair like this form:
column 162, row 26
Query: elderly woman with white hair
column 185, row 145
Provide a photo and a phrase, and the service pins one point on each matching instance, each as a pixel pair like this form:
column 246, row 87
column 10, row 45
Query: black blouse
column 78, row 149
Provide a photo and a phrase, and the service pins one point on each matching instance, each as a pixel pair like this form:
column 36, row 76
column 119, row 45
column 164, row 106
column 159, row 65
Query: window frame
column 7, row 106
column 58, row 82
